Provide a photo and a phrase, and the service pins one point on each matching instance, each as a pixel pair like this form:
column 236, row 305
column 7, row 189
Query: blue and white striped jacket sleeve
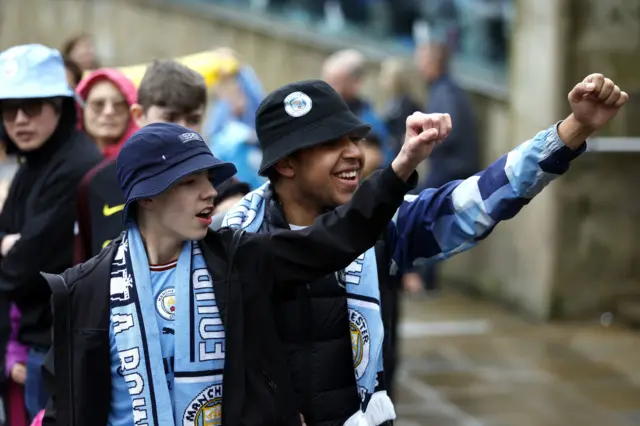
column 441, row 222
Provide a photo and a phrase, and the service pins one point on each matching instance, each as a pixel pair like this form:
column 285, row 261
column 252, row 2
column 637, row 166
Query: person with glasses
column 39, row 124
column 107, row 96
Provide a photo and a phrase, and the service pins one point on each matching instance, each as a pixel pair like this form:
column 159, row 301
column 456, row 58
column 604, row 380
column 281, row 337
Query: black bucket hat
column 301, row 115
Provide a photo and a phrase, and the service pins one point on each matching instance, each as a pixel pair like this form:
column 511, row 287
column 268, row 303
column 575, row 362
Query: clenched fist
column 423, row 133
column 594, row 102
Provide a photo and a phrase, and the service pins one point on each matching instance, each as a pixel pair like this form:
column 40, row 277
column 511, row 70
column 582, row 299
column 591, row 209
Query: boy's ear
column 286, row 167
column 137, row 114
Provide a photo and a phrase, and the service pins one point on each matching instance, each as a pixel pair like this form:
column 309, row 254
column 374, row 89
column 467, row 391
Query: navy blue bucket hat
column 160, row 154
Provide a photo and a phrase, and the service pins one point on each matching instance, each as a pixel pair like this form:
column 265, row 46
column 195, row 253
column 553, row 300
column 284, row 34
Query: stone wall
column 599, row 202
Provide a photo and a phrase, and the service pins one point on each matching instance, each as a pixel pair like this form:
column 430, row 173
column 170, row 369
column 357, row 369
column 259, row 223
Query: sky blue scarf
column 199, row 342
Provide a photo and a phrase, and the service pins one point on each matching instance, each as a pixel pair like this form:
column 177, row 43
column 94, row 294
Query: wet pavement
column 469, row 363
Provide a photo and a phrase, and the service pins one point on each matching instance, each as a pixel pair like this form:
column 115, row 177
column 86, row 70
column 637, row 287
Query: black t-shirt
column 100, row 206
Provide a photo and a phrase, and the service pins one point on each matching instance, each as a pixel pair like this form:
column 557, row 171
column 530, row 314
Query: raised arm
column 441, row 222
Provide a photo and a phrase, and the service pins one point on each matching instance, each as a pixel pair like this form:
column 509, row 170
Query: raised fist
column 595, row 101
column 423, row 133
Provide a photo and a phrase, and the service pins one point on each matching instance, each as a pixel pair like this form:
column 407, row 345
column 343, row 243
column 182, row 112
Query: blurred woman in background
column 74, row 72
column 397, row 84
column 81, row 50
column 107, row 95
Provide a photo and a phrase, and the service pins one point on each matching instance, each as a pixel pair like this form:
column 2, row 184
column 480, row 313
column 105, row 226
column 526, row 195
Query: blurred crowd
column 44, row 124
column 475, row 29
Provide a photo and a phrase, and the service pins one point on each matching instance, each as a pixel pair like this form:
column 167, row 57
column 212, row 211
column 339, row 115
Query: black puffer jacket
column 313, row 325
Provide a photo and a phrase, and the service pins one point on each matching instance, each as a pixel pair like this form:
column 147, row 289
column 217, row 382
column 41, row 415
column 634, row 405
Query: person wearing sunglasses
column 39, row 124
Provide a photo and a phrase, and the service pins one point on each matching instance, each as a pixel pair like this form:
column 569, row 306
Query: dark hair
column 73, row 68
column 72, row 42
column 235, row 188
column 168, row 83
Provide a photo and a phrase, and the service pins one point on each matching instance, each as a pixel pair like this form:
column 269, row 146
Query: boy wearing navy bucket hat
column 38, row 124
column 339, row 332
column 172, row 322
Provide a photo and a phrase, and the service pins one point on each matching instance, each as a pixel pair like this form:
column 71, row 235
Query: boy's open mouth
column 205, row 213
column 350, row 175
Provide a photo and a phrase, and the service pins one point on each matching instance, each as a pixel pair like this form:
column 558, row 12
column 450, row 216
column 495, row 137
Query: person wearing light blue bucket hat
column 38, row 123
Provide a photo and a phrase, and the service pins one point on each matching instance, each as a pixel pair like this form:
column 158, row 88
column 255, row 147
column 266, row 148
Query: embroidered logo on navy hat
column 190, row 137
column 297, row 104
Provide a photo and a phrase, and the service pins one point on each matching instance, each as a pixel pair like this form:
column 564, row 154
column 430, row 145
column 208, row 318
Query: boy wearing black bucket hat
column 172, row 323
column 333, row 328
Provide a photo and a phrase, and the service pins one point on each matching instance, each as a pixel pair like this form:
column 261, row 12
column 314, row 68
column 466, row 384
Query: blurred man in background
column 39, row 122
column 459, row 158
column 345, row 71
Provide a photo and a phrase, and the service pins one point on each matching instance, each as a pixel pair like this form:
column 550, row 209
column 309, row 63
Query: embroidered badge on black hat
column 313, row 114
column 297, row 104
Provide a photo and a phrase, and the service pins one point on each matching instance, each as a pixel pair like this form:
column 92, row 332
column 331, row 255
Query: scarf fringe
column 358, row 419
column 380, row 408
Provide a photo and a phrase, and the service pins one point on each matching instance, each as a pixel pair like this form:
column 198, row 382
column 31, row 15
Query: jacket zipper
column 273, row 388
column 272, row 385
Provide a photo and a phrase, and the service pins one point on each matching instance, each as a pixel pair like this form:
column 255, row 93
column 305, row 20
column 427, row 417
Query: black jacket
column 41, row 207
column 257, row 387
column 313, row 324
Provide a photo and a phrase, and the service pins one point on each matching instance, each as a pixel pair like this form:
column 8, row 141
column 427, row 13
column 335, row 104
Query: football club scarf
column 199, row 346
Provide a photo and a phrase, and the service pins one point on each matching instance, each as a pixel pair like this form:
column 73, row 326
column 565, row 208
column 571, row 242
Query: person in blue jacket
column 230, row 126
column 338, row 332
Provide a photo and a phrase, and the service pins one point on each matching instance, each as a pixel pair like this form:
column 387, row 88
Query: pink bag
column 37, row 421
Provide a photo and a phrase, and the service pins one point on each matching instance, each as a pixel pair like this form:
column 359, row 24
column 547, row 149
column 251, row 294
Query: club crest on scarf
column 205, row 409
column 360, row 342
